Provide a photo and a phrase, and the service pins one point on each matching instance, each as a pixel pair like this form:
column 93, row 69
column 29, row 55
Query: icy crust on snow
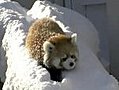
column 8, row 11
column 23, row 72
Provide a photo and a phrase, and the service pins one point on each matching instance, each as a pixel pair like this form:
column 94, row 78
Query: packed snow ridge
column 22, row 71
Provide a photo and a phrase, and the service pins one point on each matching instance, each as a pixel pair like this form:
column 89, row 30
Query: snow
column 23, row 72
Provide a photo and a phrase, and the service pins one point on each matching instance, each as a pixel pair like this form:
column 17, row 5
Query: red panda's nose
column 71, row 64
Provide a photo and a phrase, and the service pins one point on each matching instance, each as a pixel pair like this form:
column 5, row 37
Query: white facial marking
column 47, row 46
column 74, row 38
column 56, row 63
column 45, row 60
column 69, row 64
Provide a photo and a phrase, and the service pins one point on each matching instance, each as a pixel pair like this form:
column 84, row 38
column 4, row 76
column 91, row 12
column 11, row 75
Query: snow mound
column 23, row 72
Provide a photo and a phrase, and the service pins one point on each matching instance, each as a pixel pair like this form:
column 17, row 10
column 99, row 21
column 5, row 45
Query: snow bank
column 23, row 72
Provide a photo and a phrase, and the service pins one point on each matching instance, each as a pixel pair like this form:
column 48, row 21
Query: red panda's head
column 61, row 52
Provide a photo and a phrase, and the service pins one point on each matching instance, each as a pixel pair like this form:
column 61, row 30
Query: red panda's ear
column 74, row 38
column 48, row 47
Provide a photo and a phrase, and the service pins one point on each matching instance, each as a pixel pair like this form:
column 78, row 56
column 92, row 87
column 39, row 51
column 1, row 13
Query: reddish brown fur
column 40, row 31
column 63, row 45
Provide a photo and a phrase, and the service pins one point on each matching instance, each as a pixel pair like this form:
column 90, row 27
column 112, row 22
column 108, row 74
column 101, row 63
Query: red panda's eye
column 64, row 59
column 73, row 56
column 54, row 43
column 50, row 48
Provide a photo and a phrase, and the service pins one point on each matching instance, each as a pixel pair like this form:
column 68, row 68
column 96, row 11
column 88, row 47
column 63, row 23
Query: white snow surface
column 24, row 74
